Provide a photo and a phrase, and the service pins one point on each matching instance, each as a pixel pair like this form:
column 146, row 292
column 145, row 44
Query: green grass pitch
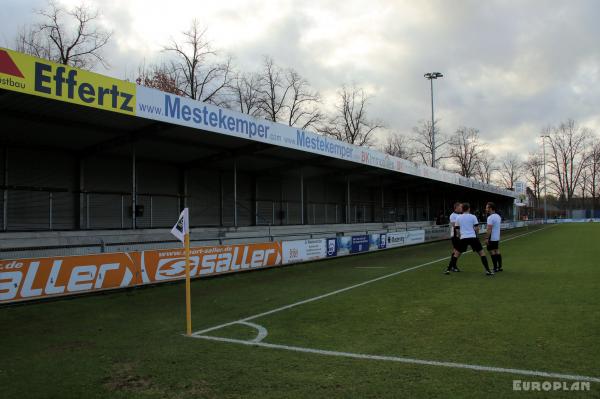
column 542, row 313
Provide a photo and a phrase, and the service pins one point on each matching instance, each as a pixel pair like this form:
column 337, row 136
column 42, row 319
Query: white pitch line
column 316, row 298
column 407, row 360
column 262, row 332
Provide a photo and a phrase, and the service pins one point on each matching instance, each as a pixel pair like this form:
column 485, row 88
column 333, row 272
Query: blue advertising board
column 359, row 244
column 331, row 247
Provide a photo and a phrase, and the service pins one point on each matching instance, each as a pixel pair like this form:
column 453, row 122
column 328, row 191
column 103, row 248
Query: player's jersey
column 494, row 220
column 467, row 223
column 453, row 217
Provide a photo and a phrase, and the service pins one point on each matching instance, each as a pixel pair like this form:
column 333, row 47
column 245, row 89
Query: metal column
column 254, row 194
column 50, row 206
column 407, row 208
column 133, row 189
column 301, row 196
column 186, row 173
column 220, row 199
column 5, row 193
column 382, row 202
column 347, row 199
column 235, row 212
column 82, row 197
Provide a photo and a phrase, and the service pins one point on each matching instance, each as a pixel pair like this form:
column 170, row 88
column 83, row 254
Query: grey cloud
column 510, row 68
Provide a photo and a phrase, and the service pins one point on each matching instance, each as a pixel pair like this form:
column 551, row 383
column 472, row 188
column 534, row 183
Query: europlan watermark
column 547, row 386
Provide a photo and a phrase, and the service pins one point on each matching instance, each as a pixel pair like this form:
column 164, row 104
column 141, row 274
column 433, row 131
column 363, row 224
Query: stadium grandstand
column 91, row 164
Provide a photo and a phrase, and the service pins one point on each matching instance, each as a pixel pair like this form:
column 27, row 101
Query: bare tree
column 423, row 140
column 273, row 91
column 159, row 77
column 350, row 123
column 486, row 167
column 245, row 89
column 285, row 96
column 69, row 37
column 398, row 145
column 533, row 170
column 302, row 105
column 203, row 78
column 591, row 181
column 465, row 150
column 568, row 158
column 511, row 170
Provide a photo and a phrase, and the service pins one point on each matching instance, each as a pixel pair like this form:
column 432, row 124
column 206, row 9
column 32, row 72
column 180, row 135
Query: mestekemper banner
column 157, row 105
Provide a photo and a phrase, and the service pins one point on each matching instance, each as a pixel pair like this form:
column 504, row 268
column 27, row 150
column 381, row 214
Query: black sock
column 494, row 260
column 499, row 258
column 452, row 263
column 484, row 261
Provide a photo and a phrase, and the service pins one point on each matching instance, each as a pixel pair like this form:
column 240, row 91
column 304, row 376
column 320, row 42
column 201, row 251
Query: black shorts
column 474, row 243
column 492, row 245
column 456, row 243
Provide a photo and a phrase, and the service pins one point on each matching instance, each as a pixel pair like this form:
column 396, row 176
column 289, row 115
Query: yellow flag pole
column 188, row 299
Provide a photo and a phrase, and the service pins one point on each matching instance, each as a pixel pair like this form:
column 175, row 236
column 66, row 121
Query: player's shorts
column 456, row 243
column 492, row 245
column 474, row 243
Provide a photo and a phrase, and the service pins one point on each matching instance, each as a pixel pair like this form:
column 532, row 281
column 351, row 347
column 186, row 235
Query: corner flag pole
column 188, row 299
column 181, row 230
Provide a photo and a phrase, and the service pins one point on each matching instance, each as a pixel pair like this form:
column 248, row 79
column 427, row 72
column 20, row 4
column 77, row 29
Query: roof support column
column 301, row 196
column 255, row 201
column 407, row 208
column 133, row 189
column 280, row 211
column 382, row 200
column 185, row 173
column 235, row 210
column 5, row 192
column 82, row 197
column 348, row 199
column 428, row 204
column 220, row 199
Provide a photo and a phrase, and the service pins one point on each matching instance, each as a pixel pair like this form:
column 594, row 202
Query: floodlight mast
column 430, row 76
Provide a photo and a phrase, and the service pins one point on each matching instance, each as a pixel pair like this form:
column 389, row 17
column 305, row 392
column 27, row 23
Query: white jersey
column 453, row 217
column 467, row 223
column 494, row 220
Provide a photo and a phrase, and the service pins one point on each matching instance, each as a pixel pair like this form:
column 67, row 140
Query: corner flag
column 181, row 230
column 182, row 227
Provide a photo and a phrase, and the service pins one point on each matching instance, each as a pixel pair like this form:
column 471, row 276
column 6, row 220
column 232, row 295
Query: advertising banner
column 376, row 241
column 359, row 244
column 344, row 245
column 26, row 279
column 303, row 250
column 402, row 238
column 161, row 265
column 331, row 247
column 27, row 74
column 157, row 105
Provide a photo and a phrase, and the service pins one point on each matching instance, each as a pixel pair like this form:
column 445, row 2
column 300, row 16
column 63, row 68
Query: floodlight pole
column 430, row 76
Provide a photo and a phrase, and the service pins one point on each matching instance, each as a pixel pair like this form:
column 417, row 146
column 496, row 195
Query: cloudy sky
column 510, row 67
